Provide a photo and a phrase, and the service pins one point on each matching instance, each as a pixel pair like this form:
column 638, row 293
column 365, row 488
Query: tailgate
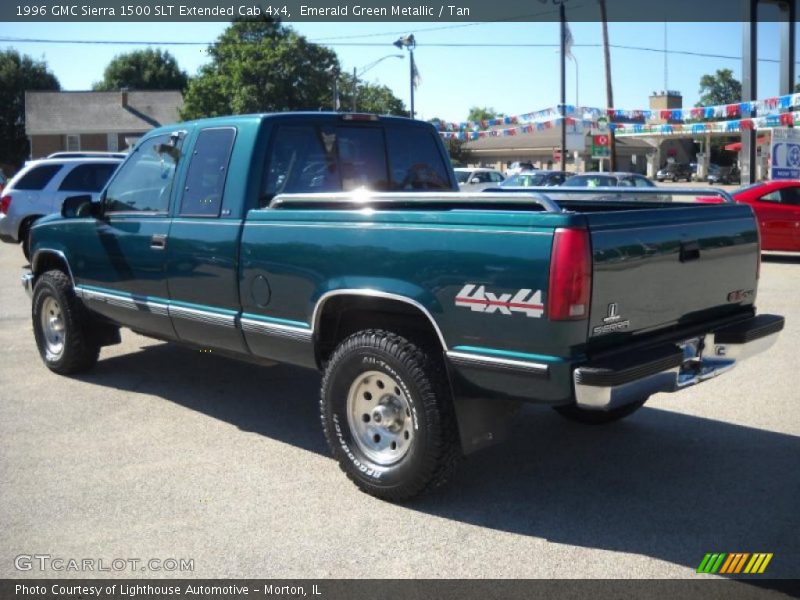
column 658, row 268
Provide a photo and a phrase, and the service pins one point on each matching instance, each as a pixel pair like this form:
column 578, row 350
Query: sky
column 512, row 80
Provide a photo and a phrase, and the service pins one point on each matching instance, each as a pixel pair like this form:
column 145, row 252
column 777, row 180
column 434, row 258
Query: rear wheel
column 387, row 415
column 598, row 417
column 61, row 326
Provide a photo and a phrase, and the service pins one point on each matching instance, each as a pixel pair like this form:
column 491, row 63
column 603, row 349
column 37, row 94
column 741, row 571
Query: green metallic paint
column 425, row 256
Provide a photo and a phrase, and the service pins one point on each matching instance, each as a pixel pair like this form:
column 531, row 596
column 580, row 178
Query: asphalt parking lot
column 163, row 452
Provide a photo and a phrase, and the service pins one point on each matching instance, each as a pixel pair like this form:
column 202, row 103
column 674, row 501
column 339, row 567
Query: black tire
column 53, row 294
column 433, row 451
column 598, row 417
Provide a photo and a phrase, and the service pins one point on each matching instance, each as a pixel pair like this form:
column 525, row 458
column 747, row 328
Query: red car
column 776, row 205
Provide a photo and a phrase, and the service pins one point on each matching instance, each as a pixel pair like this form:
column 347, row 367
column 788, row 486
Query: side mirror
column 75, row 207
column 474, row 180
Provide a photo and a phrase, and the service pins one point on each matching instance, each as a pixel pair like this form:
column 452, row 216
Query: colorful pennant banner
column 631, row 129
column 761, row 108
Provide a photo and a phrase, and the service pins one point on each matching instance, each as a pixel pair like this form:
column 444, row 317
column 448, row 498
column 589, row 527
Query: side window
column 772, row 197
column 37, row 178
column 642, row 182
column 627, row 182
column 495, row 177
column 415, row 162
column 791, row 195
column 87, row 178
column 144, row 182
column 205, row 180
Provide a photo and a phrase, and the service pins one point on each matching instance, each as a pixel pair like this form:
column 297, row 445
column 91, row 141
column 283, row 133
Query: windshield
column 462, row 176
column 590, row 181
column 746, row 188
column 525, row 180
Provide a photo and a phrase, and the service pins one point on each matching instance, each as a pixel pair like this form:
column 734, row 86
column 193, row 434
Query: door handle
column 158, row 241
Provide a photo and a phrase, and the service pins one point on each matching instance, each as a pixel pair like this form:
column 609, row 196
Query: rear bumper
column 632, row 377
column 27, row 284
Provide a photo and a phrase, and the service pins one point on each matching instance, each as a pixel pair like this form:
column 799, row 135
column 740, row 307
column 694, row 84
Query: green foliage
column 371, row 98
column 720, row 88
column 18, row 73
column 482, row 113
column 261, row 66
column 143, row 70
column 460, row 156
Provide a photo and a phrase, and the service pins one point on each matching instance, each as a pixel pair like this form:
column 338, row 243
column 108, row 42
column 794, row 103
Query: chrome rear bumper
column 27, row 284
column 672, row 367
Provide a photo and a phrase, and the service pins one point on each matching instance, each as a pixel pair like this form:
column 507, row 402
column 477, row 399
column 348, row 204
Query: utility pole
column 355, row 88
column 612, row 144
column 563, row 105
column 409, row 43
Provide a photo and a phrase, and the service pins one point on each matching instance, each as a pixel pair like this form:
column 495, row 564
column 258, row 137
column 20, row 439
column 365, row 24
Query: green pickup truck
column 339, row 242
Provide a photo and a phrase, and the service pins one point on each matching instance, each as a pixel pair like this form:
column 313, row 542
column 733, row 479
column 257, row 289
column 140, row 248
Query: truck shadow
column 664, row 485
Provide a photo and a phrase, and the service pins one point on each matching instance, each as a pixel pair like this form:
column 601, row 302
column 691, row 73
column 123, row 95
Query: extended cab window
column 144, row 182
column 87, row 178
column 37, row 178
column 205, row 181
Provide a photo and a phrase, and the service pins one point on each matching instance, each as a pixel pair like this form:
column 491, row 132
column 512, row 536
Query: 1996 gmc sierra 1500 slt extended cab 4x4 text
column 433, row 314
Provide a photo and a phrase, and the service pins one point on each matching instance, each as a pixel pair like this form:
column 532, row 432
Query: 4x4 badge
column 479, row 300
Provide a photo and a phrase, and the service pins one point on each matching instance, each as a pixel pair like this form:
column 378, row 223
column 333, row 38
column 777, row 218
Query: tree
column 797, row 87
column 372, row 98
column 18, row 74
column 457, row 149
column 143, row 70
column 482, row 113
column 720, row 88
column 261, row 66
column 460, row 155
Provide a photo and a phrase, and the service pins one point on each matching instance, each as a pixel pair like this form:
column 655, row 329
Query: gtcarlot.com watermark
column 58, row 564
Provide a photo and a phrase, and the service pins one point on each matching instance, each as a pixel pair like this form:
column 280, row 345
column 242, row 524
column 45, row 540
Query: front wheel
column 598, row 417
column 388, row 416
column 60, row 326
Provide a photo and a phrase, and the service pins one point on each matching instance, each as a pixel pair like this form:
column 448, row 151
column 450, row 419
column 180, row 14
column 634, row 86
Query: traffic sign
column 785, row 153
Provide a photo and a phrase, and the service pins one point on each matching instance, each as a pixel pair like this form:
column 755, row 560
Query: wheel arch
column 45, row 259
column 339, row 313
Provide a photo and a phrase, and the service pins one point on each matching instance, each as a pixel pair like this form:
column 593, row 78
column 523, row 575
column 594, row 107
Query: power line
column 381, row 45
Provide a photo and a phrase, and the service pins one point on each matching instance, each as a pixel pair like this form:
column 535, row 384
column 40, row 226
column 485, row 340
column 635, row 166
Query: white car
column 40, row 188
column 475, row 179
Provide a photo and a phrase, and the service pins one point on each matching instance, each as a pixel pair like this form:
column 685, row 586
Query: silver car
column 475, row 179
column 40, row 188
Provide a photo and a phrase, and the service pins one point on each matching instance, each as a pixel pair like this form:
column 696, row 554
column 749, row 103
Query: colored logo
column 477, row 299
column 735, row 563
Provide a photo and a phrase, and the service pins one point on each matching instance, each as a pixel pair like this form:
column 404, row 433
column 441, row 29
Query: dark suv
column 675, row 172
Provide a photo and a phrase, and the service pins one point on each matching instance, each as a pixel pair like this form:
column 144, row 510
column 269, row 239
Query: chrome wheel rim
column 52, row 326
column 380, row 417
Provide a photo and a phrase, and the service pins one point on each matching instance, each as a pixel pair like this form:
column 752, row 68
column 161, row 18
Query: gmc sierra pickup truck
column 339, row 243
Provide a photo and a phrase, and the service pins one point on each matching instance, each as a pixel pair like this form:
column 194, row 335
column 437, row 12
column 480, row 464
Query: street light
column 409, row 43
column 360, row 73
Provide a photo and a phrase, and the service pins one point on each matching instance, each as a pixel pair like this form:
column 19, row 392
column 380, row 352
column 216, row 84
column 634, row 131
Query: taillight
column 570, row 276
column 5, row 202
